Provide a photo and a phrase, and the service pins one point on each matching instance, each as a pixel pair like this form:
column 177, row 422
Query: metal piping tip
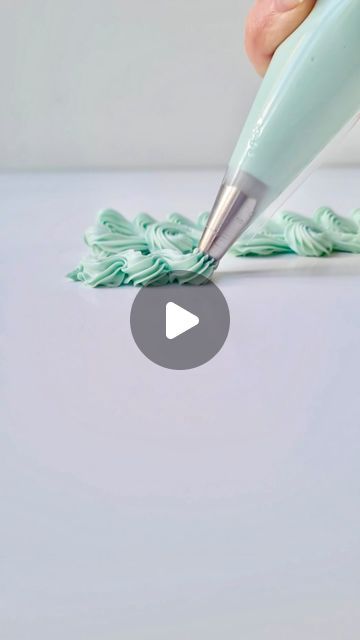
column 232, row 213
column 207, row 239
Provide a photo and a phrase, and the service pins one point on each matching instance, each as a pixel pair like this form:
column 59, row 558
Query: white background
column 114, row 83
column 126, row 512
column 139, row 503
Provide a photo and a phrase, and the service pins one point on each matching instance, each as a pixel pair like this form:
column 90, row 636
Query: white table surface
column 139, row 503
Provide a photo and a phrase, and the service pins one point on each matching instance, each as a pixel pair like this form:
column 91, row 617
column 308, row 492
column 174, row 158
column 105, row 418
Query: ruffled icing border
column 147, row 252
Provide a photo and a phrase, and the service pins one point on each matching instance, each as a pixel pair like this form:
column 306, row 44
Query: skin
column 269, row 23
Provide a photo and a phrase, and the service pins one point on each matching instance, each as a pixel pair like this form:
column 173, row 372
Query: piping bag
column 309, row 96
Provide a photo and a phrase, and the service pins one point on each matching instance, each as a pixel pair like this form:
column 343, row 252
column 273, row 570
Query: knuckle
column 261, row 28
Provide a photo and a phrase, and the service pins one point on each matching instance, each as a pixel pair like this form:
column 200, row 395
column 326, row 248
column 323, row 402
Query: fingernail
column 287, row 5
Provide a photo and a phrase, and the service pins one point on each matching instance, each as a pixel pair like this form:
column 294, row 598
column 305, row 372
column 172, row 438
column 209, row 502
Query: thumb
column 269, row 23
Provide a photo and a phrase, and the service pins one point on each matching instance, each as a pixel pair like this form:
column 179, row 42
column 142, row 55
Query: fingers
column 269, row 23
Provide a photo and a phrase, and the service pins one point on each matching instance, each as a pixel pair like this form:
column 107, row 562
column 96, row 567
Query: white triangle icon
column 178, row 320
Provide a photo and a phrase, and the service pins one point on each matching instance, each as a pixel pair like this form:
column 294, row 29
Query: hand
column 269, row 23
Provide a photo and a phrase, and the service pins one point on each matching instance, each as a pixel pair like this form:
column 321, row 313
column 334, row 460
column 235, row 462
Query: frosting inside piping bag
column 147, row 252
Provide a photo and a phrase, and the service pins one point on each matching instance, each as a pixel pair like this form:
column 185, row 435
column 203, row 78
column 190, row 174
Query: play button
column 180, row 326
column 178, row 320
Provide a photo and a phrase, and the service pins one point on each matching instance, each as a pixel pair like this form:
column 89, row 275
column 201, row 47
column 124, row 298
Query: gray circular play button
column 180, row 326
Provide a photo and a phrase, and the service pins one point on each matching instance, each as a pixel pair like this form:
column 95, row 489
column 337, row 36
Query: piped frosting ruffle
column 147, row 252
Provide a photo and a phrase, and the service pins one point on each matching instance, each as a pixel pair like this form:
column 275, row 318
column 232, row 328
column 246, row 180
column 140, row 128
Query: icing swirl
column 165, row 235
column 115, row 222
column 98, row 271
column 261, row 240
column 143, row 221
column 344, row 231
column 304, row 236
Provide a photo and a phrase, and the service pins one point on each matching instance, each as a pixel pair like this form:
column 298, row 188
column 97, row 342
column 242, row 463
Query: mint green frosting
column 290, row 232
column 147, row 252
